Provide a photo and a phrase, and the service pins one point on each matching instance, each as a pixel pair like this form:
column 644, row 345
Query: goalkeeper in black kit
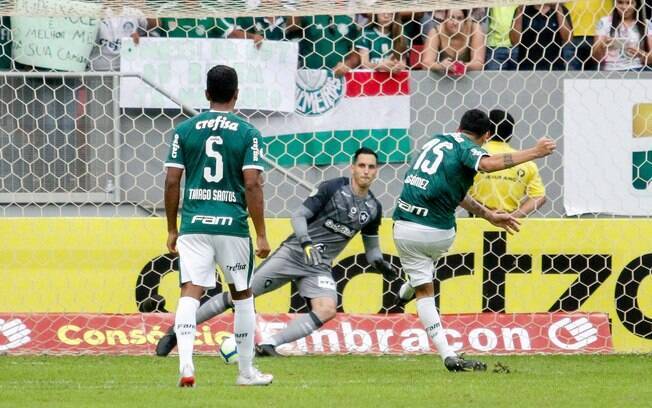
column 324, row 224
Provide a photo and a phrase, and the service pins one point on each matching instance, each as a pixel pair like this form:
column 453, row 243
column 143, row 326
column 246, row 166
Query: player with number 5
column 221, row 156
column 437, row 182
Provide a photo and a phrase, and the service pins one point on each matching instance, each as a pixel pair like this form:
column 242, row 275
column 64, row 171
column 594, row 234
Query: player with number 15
column 437, row 182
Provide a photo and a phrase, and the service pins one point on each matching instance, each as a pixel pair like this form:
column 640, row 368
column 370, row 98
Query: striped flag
column 335, row 116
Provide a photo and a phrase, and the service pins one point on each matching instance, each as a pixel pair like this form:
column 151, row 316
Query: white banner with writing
column 61, row 43
column 266, row 75
column 608, row 146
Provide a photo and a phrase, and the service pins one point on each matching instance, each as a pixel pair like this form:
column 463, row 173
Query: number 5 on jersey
column 216, row 173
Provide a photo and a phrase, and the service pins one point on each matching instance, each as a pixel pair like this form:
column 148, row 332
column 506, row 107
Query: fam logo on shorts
column 318, row 91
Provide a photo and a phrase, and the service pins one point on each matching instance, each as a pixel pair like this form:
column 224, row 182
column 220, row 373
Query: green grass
column 342, row 381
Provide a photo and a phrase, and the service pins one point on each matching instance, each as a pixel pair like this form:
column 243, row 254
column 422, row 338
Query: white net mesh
column 236, row 8
column 84, row 139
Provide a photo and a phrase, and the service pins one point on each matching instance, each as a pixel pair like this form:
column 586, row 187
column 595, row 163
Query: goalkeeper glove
column 387, row 269
column 311, row 253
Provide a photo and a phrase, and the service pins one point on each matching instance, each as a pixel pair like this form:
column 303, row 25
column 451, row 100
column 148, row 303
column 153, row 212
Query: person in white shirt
column 624, row 38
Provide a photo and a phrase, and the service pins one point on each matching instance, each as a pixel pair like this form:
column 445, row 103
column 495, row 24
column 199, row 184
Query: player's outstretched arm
column 497, row 162
column 500, row 219
column 172, row 197
column 253, row 181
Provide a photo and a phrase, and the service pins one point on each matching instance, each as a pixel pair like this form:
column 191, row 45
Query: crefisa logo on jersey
column 318, row 91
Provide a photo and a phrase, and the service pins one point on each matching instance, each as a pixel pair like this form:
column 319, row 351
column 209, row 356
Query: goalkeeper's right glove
column 311, row 254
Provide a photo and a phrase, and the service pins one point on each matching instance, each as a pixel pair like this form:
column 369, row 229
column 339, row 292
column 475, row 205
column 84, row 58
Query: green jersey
column 377, row 43
column 214, row 148
column 197, row 27
column 327, row 40
column 274, row 30
column 438, row 179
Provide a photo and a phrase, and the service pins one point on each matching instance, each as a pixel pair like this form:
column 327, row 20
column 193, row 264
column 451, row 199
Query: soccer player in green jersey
column 437, row 182
column 221, row 156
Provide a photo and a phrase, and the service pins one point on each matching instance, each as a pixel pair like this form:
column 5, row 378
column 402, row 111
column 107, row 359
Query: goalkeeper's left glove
column 311, row 253
column 387, row 269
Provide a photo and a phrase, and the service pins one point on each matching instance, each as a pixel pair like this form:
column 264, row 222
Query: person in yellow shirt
column 585, row 15
column 517, row 190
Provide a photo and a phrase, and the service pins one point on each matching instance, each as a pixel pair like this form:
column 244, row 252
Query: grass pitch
column 338, row 381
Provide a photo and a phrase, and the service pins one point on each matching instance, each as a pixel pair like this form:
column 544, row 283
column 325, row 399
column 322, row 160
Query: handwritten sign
column 61, row 43
column 266, row 75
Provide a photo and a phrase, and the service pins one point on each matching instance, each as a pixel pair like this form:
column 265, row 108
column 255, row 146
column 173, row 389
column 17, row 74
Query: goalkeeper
column 333, row 214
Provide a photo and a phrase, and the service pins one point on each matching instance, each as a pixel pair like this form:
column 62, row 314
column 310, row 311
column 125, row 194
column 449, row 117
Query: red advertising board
column 491, row 333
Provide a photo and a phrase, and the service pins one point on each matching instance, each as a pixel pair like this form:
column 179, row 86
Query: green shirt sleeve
column 253, row 157
column 175, row 155
column 470, row 154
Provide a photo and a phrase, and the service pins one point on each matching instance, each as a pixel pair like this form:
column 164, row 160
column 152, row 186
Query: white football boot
column 256, row 378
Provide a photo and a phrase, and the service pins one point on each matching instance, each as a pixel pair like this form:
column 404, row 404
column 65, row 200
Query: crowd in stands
column 578, row 35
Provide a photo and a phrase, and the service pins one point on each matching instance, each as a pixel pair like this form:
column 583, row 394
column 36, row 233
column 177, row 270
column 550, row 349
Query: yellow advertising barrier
column 92, row 265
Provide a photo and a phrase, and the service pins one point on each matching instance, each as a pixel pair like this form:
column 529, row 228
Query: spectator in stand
column 541, row 32
column 260, row 28
column 410, row 21
column 585, row 15
column 455, row 46
column 382, row 45
column 112, row 28
column 328, row 42
column 502, row 53
column 519, row 190
column 6, row 63
column 624, row 38
column 208, row 27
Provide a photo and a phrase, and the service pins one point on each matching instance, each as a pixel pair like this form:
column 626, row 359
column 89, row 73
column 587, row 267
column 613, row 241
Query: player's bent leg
column 323, row 310
column 318, row 285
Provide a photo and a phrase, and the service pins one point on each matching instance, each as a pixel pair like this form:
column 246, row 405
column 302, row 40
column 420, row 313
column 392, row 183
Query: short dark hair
column 475, row 121
column 502, row 125
column 221, row 83
column 363, row 150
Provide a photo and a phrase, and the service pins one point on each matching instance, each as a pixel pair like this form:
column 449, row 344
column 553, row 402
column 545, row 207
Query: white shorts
column 199, row 253
column 420, row 247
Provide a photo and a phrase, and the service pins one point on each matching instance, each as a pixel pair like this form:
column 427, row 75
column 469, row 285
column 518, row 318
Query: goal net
column 90, row 94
